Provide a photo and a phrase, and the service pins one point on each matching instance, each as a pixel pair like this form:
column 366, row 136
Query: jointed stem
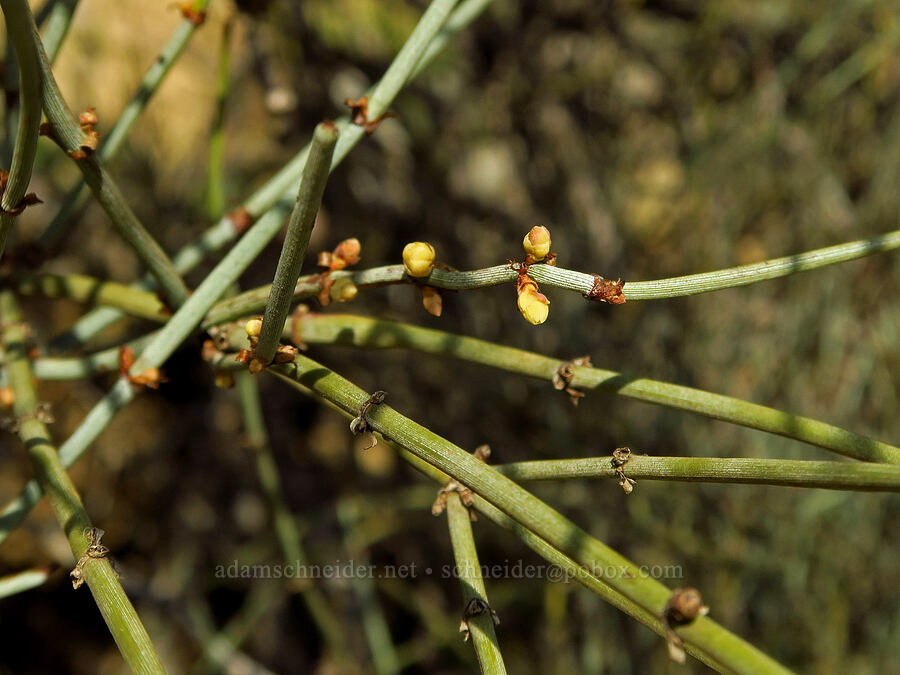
column 118, row 612
column 796, row 473
column 526, row 510
column 478, row 613
column 18, row 30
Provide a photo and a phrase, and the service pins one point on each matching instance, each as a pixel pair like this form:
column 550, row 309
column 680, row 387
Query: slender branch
column 13, row 584
column 70, row 137
column 480, row 624
column 361, row 331
column 115, row 139
column 296, row 241
column 56, row 17
column 795, row 473
column 525, row 509
column 18, row 29
column 118, row 612
column 375, row 626
column 185, row 320
column 762, row 271
column 569, row 568
column 82, row 288
column 285, row 526
column 215, row 185
column 275, row 189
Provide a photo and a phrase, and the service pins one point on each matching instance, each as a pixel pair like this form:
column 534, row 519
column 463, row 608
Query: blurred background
column 653, row 139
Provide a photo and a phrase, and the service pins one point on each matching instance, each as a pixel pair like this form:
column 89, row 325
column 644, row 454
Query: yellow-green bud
column 253, row 327
column 343, row 290
column 418, row 258
column 537, row 242
column 535, row 306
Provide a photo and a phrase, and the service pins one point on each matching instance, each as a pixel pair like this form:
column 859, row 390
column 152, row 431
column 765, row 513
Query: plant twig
column 56, row 17
column 118, row 612
column 215, row 184
column 70, row 137
column 296, row 241
column 113, row 141
column 282, row 184
column 361, row 331
column 478, row 616
column 286, row 529
column 795, row 473
column 526, row 510
column 18, row 30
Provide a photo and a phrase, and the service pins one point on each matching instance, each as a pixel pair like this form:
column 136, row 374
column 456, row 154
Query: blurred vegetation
column 654, row 139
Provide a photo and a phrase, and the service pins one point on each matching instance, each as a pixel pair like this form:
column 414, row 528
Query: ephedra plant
column 274, row 332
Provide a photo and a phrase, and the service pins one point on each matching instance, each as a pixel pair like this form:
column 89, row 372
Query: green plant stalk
column 570, row 569
column 215, row 187
column 18, row 29
column 105, row 361
column 163, row 344
column 286, row 528
column 526, row 510
column 366, row 332
column 117, row 610
column 69, row 136
column 275, row 189
column 573, row 280
column 113, row 141
column 13, row 584
column 181, row 324
column 82, row 288
column 795, row 473
column 464, row 14
column 56, row 17
column 296, row 240
column 480, row 626
column 375, row 626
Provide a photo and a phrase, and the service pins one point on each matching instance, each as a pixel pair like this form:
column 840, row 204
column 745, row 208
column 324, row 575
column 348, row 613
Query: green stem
column 795, row 473
column 82, row 288
column 18, row 31
column 280, row 185
column 113, row 141
column 215, row 190
column 569, row 568
column 286, row 529
column 526, row 510
column 106, row 361
column 361, row 331
column 13, row 584
column 70, row 137
column 117, row 610
column 468, row 570
column 56, row 17
column 296, row 241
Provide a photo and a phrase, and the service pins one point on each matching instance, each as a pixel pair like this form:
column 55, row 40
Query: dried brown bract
column 28, row 200
column 195, row 16
column 241, row 219
column 562, row 378
column 684, row 605
column 359, row 114
column 621, row 457
column 465, row 496
column 360, row 424
column 606, row 290
column 150, row 378
column 476, row 607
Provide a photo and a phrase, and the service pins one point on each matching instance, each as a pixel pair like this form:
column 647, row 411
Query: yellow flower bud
column 535, row 306
column 537, row 242
column 418, row 258
column 343, row 290
column 349, row 250
column 253, row 327
column 224, row 379
column 431, row 301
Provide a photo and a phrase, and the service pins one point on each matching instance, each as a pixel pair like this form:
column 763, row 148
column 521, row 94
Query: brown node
column 683, row 606
column 606, row 290
column 28, row 200
column 465, row 496
column 87, row 120
column 241, row 219
column 621, row 457
column 150, row 378
column 476, row 607
column 359, row 114
column 195, row 16
column 360, row 424
column 562, row 378
column 94, row 550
